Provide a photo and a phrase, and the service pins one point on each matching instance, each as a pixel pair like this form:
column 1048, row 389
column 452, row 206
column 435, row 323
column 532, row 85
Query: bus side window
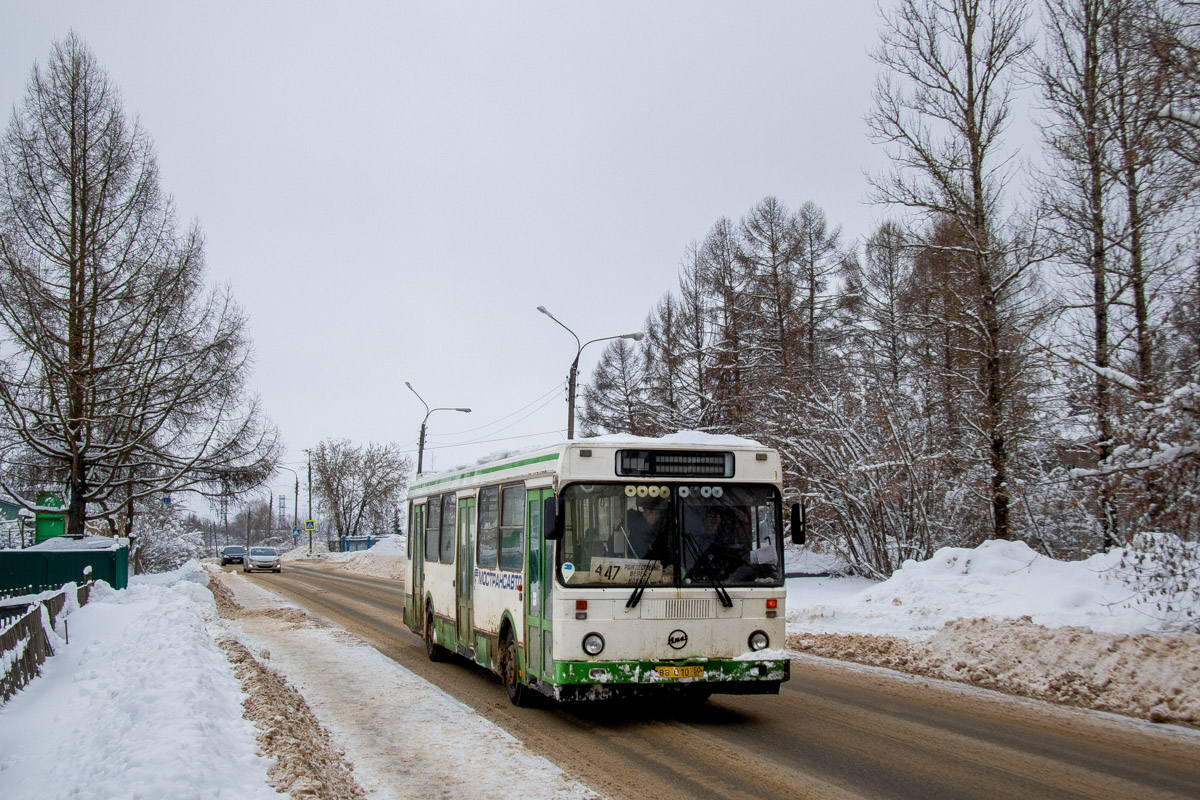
column 432, row 525
column 489, row 527
column 449, row 519
column 512, row 526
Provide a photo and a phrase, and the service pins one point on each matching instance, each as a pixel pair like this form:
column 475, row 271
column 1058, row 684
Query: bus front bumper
column 709, row 675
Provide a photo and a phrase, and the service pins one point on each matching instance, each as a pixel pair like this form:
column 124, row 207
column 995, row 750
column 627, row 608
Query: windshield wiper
column 641, row 585
column 723, row 595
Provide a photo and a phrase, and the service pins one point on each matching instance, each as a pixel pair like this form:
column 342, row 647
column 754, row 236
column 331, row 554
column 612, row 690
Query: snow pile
column 385, row 559
column 1004, row 617
column 139, row 699
column 998, row 579
column 319, row 550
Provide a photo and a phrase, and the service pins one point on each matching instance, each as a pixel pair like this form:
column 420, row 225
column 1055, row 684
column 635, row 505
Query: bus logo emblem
column 677, row 640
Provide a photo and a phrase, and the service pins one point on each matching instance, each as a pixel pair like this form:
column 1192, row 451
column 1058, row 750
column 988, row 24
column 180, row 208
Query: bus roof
column 546, row 459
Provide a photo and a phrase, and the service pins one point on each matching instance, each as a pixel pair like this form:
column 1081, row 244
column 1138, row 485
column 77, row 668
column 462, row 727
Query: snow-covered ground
column 141, row 703
column 145, row 702
column 1005, row 617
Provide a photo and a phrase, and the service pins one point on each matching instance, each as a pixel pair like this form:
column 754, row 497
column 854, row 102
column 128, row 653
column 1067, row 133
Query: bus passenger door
column 537, row 595
column 416, row 549
column 466, row 564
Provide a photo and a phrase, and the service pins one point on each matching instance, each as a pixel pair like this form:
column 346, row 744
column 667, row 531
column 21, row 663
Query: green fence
column 28, row 572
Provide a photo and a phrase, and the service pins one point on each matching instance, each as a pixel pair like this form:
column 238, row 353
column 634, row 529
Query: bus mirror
column 551, row 530
column 799, row 523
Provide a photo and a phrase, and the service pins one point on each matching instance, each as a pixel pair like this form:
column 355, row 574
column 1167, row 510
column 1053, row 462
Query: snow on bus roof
column 681, row 437
column 697, row 438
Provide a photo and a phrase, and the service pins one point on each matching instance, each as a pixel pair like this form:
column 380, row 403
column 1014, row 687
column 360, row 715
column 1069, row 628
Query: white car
column 262, row 558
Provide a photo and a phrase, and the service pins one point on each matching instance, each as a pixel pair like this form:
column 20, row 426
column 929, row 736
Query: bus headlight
column 593, row 644
column 758, row 641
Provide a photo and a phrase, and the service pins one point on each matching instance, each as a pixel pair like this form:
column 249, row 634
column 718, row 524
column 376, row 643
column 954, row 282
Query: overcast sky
column 392, row 188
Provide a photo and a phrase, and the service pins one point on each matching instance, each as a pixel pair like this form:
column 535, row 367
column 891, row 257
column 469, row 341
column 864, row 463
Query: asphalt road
column 833, row 732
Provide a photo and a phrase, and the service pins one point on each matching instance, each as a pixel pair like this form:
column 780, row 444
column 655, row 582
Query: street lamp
column 571, row 377
column 428, row 411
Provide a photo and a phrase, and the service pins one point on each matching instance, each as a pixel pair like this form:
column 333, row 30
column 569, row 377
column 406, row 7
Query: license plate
column 680, row 672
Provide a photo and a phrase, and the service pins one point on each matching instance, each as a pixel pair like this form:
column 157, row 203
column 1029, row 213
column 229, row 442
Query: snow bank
column 140, row 702
column 1004, row 617
column 389, row 546
column 998, row 579
column 385, row 559
column 1152, row 677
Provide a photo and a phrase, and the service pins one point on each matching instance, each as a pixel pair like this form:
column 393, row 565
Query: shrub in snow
column 164, row 540
column 1164, row 571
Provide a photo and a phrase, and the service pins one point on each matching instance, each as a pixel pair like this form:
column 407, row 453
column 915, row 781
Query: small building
column 9, row 511
column 48, row 524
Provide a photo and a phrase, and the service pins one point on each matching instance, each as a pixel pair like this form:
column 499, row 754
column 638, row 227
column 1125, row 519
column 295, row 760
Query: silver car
column 262, row 558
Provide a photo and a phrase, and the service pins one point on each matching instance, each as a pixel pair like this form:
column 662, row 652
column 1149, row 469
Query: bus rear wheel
column 432, row 648
column 518, row 693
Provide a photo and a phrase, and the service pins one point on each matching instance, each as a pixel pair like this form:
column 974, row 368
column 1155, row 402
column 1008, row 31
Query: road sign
column 310, row 525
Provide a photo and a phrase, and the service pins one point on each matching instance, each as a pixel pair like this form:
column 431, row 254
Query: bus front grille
column 694, row 608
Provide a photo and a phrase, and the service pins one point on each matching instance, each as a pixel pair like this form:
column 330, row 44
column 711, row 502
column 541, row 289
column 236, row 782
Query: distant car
column 233, row 555
column 262, row 558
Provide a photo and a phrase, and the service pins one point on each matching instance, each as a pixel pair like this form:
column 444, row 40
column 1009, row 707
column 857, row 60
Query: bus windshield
column 671, row 535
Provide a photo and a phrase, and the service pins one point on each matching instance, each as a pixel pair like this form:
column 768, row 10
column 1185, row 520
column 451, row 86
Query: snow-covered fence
column 26, row 643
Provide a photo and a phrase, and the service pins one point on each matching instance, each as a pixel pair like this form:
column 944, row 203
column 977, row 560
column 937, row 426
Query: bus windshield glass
column 670, row 535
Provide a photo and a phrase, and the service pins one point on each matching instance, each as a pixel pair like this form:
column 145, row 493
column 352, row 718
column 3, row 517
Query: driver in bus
column 729, row 542
column 647, row 526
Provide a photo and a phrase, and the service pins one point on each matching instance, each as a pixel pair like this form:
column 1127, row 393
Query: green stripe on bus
column 716, row 670
column 485, row 470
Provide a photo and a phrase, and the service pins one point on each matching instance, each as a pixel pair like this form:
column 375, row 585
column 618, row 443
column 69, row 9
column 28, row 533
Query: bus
column 606, row 567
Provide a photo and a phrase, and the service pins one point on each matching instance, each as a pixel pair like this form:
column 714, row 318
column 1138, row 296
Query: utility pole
column 310, row 533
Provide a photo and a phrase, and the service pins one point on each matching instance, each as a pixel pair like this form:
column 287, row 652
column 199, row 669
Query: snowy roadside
column 403, row 736
column 140, row 703
column 155, row 695
column 1003, row 617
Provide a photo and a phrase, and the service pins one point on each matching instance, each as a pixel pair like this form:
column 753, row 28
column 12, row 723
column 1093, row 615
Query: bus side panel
column 495, row 593
column 439, row 589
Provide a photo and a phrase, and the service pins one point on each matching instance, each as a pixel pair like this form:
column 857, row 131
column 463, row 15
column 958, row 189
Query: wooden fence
column 25, row 645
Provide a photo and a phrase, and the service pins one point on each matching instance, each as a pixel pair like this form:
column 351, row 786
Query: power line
column 506, row 427
column 486, row 441
column 548, row 394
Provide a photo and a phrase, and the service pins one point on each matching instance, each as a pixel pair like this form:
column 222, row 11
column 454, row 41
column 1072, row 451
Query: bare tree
column 614, row 401
column 120, row 372
column 819, row 255
column 722, row 276
column 942, row 107
column 360, row 488
column 769, row 250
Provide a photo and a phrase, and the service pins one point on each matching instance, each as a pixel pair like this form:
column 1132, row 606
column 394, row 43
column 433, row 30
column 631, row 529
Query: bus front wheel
column 432, row 648
column 518, row 693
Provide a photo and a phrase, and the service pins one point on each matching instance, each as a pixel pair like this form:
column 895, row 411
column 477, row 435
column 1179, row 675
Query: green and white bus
column 606, row 566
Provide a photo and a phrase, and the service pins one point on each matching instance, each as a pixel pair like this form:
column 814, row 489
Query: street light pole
column 428, row 411
column 573, row 375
